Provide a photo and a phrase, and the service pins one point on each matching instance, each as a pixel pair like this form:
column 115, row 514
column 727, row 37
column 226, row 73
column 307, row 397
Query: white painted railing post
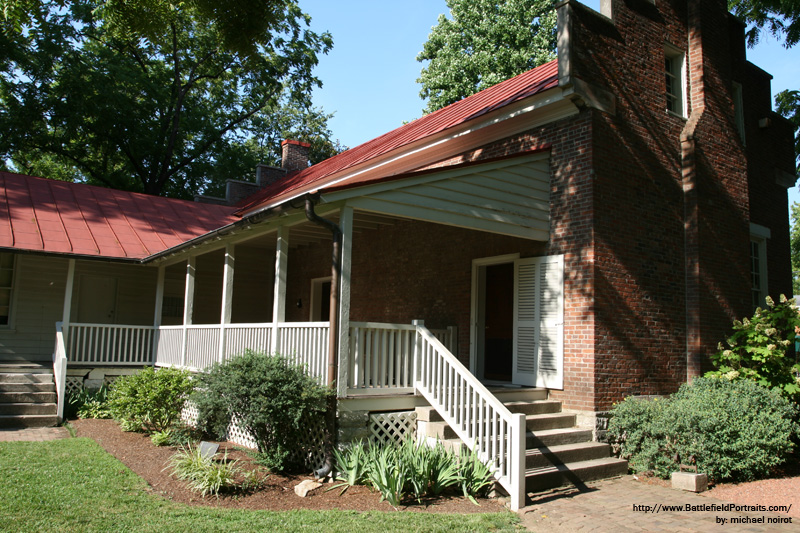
column 279, row 292
column 517, row 451
column 415, row 368
column 227, row 298
column 60, row 371
column 188, row 306
column 158, row 311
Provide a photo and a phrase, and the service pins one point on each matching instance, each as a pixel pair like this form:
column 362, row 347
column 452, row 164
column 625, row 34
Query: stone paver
column 33, row 434
column 624, row 504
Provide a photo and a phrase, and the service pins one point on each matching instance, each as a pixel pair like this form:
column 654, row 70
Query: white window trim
column 671, row 51
column 12, row 303
column 760, row 234
column 316, row 296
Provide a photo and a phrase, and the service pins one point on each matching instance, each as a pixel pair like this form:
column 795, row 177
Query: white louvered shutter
column 539, row 322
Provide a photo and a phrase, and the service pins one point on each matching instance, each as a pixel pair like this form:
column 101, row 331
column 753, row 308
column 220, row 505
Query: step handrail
column 476, row 415
column 60, row 370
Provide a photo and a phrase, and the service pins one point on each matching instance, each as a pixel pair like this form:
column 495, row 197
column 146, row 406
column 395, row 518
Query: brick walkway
column 33, row 434
column 609, row 506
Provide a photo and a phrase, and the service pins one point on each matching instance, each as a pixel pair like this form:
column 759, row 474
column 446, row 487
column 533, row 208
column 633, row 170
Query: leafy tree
column 794, row 241
column 483, row 43
column 142, row 103
column 779, row 17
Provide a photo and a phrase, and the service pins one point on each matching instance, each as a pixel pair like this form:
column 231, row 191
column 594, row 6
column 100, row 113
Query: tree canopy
column 483, row 43
column 147, row 95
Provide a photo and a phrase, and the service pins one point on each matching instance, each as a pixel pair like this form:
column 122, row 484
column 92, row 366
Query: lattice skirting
column 311, row 450
column 392, row 427
column 73, row 384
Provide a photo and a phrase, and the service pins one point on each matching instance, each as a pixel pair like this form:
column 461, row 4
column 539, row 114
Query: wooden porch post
column 279, row 294
column 67, row 311
column 227, row 298
column 346, row 225
column 158, row 310
column 188, row 305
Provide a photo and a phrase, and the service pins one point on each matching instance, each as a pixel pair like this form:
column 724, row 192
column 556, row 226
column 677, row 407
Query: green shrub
column 87, row 403
column 204, row 474
column 398, row 470
column 151, row 400
column 737, row 430
column 270, row 398
column 761, row 349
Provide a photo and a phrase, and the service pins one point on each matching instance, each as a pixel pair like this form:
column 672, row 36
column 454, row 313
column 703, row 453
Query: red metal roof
column 44, row 215
column 508, row 92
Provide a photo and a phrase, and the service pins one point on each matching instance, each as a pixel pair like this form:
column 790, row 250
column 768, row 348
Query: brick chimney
column 294, row 155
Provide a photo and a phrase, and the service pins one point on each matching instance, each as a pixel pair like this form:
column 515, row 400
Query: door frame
column 476, row 300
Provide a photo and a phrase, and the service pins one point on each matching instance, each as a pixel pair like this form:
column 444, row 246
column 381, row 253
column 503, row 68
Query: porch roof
column 49, row 216
column 333, row 171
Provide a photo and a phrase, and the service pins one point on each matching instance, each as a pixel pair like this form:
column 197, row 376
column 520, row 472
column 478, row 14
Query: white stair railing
column 480, row 420
column 60, row 370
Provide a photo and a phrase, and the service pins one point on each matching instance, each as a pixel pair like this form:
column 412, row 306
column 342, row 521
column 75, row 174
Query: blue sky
column 370, row 75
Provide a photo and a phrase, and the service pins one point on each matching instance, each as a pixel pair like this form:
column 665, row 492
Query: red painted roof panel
column 44, row 215
column 510, row 91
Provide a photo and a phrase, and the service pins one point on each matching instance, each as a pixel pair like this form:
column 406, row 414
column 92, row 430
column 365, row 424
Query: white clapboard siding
column 509, row 197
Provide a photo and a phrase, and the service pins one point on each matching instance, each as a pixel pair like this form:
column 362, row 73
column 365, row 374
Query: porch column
column 188, row 305
column 158, row 310
column 346, row 225
column 279, row 294
column 67, row 311
column 227, row 298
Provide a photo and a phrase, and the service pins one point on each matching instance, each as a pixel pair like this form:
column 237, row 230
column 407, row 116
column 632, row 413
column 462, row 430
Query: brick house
column 587, row 229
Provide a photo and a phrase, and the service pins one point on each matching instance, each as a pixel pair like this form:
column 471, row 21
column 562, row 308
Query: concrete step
column 28, row 421
column 566, row 453
column 549, row 421
column 28, row 409
column 556, row 437
column 27, row 387
column 536, row 407
column 20, row 377
column 538, row 479
column 25, row 368
column 27, row 397
column 518, row 394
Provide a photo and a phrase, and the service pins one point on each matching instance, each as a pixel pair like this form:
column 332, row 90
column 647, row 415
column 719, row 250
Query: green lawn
column 74, row 485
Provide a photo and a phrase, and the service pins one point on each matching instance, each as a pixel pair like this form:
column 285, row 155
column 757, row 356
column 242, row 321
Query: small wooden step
column 555, row 437
column 549, row 421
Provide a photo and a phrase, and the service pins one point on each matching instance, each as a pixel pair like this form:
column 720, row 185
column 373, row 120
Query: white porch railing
column 198, row 346
column 474, row 413
column 110, row 344
column 60, row 370
column 381, row 358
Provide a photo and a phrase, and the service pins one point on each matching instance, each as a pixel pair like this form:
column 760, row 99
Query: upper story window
column 6, row 286
column 738, row 109
column 674, row 71
column 758, row 264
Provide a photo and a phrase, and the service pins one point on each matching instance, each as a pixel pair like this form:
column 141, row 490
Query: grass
column 74, row 485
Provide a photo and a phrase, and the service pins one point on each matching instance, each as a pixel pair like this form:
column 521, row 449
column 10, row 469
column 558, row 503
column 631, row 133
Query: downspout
column 333, row 344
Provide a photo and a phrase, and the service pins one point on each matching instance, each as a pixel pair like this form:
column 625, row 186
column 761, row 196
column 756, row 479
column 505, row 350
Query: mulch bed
column 277, row 492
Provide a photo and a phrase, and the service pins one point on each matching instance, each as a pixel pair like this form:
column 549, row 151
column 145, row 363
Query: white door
column 539, row 322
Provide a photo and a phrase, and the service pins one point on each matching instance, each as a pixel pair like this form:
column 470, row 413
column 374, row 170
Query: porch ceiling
column 509, row 196
column 309, row 233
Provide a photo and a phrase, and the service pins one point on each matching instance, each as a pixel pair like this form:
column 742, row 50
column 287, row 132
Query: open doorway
column 493, row 319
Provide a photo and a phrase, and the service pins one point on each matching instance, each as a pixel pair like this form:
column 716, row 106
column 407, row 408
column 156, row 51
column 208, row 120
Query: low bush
column 270, row 398
column 151, row 400
column 408, row 469
column 761, row 349
column 87, row 403
column 204, row 474
column 736, row 430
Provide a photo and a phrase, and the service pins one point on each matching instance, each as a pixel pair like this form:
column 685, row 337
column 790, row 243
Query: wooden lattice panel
column 392, row 427
column 73, row 384
column 189, row 414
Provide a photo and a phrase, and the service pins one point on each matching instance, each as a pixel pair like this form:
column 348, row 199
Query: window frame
column 12, row 291
column 676, row 59
column 758, row 241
